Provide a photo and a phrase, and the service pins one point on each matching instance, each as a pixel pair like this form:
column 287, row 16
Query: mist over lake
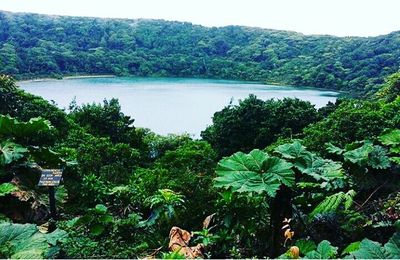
column 167, row 105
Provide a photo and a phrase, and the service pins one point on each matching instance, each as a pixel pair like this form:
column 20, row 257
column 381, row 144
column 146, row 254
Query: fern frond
column 333, row 202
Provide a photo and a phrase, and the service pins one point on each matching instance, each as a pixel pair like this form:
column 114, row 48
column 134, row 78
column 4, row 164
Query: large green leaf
column 373, row 250
column 323, row 169
column 10, row 152
column 391, row 137
column 378, row 158
column 328, row 172
column 359, row 155
column 392, row 247
column 351, row 248
column 330, row 148
column 25, row 241
column 370, row 250
column 296, row 153
column 324, row 251
column 368, row 154
column 254, row 172
column 305, row 246
column 45, row 156
column 11, row 127
column 292, row 150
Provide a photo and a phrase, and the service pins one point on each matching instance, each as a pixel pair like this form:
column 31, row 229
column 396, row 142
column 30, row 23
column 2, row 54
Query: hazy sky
column 337, row 17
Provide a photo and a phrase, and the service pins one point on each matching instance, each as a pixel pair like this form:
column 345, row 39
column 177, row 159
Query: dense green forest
column 272, row 178
column 34, row 45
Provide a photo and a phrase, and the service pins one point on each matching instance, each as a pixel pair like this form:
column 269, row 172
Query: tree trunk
column 281, row 208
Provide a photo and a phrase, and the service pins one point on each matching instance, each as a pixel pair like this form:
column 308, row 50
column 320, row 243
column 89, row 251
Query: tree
column 255, row 123
column 8, row 59
column 105, row 120
column 391, row 89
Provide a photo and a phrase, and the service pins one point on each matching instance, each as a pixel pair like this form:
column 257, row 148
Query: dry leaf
column 207, row 221
column 179, row 242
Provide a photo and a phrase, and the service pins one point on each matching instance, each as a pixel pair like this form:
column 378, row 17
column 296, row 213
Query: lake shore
column 83, row 76
column 67, row 77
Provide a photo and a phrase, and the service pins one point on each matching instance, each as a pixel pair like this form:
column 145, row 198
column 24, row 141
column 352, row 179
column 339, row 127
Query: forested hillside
column 38, row 45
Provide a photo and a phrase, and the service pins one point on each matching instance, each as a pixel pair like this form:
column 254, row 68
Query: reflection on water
column 168, row 105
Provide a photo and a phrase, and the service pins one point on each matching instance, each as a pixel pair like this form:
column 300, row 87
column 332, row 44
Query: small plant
column 95, row 221
column 205, row 237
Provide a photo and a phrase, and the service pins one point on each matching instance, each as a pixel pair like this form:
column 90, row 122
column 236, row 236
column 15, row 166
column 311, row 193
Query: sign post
column 51, row 178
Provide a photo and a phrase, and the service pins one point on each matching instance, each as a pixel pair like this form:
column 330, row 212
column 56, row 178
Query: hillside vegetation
column 34, row 45
column 274, row 178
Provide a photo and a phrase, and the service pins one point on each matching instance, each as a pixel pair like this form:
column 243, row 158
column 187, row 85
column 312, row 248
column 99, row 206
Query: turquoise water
column 167, row 105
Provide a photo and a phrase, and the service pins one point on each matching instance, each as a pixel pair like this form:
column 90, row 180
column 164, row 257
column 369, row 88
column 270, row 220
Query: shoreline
column 66, row 77
column 275, row 84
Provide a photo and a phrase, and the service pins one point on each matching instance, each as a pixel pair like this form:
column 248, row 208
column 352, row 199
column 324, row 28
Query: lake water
column 167, row 105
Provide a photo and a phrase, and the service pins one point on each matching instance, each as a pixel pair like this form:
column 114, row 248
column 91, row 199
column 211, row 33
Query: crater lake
column 167, row 105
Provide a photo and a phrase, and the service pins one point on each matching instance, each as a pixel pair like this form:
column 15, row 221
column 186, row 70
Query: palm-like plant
column 164, row 204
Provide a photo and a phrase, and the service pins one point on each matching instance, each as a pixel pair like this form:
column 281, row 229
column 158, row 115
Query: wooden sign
column 50, row 177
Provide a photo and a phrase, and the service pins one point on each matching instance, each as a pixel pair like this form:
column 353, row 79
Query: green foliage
column 25, row 241
column 391, row 89
column 122, row 239
column 324, row 251
column 351, row 248
column 331, row 203
column 353, row 120
column 368, row 154
column 392, row 247
column 148, row 183
column 11, row 152
column 7, row 88
column 392, row 139
column 294, row 150
column 12, row 127
column 306, row 246
column 328, row 173
column 105, row 120
column 164, row 204
column 254, row 172
column 373, row 250
column 254, row 123
column 330, row 148
column 166, row 197
column 205, row 237
column 95, row 221
column 172, row 255
column 7, row 188
column 7, row 84
column 113, row 164
column 186, row 167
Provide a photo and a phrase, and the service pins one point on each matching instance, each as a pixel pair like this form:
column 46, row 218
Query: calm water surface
column 167, row 105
